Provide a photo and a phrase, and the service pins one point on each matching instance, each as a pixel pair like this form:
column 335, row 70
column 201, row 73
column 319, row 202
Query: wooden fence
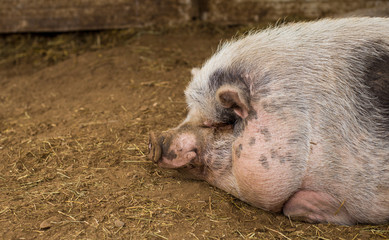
column 73, row 15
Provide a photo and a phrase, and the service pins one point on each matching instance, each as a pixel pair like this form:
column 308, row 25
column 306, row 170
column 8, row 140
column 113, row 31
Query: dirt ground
column 75, row 113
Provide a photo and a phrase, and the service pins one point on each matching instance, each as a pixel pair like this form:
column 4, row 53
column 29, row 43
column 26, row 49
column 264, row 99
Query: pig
column 292, row 119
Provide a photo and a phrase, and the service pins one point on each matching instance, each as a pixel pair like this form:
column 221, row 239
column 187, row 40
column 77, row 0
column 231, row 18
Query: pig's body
column 293, row 119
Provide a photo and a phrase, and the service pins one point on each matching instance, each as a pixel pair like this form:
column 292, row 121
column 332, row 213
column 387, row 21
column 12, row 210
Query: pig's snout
column 172, row 150
column 155, row 151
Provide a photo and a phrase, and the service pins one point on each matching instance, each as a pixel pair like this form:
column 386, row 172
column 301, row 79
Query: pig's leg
column 317, row 207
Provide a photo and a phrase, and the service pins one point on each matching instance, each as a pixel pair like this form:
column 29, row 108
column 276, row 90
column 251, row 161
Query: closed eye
column 225, row 126
column 218, row 125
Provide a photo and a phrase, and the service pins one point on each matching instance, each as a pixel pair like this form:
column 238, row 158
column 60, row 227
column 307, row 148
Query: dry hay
column 75, row 112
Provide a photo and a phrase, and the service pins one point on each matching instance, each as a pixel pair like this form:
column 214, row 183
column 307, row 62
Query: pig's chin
column 194, row 169
column 192, row 172
column 188, row 159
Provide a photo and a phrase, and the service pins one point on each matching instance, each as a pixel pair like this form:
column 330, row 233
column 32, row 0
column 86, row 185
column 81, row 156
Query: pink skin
column 268, row 173
column 317, row 207
column 277, row 186
column 266, row 184
column 181, row 148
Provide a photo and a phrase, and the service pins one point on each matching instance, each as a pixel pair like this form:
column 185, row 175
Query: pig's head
column 201, row 146
column 195, row 149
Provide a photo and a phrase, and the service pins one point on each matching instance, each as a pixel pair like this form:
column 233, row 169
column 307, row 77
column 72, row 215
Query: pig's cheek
column 258, row 172
column 237, row 148
column 251, row 176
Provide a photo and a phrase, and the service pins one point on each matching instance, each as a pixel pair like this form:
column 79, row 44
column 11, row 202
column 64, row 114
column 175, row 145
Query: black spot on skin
column 293, row 141
column 231, row 76
column 171, row 155
column 282, row 159
column 376, row 76
column 238, row 150
column 286, row 158
column 273, row 153
column 377, row 73
column 372, row 103
column 265, row 132
column 263, row 160
column 252, row 141
column 289, row 156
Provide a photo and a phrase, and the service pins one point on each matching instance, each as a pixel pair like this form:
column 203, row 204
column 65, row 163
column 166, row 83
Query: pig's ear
column 232, row 97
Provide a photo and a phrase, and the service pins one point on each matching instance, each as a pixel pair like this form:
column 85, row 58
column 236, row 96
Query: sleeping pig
column 292, row 119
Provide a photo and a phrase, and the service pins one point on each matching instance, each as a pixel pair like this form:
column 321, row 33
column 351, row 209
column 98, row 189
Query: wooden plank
column 72, row 15
column 251, row 11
